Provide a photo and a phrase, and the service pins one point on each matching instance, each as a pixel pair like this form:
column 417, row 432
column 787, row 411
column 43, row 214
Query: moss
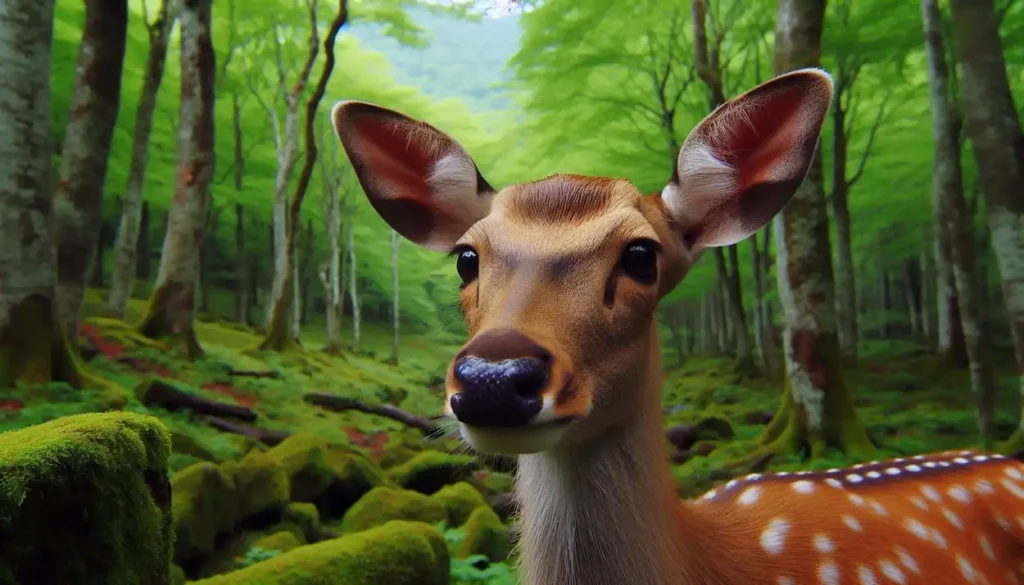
column 328, row 475
column 397, row 553
column 431, row 470
column 459, row 500
column 261, row 485
column 177, row 575
column 383, row 504
column 499, row 483
column 282, row 541
column 205, row 507
column 306, row 517
column 89, row 490
column 398, row 450
column 485, row 535
column 164, row 314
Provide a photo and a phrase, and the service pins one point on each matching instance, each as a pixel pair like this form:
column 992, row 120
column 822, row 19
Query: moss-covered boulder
column 459, row 500
column 381, row 505
column 205, row 506
column 177, row 575
column 84, row 499
column 397, row 553
column 282, row 541
column 485, row 535
column 431, row 470
column 261, row 484
column 328, row 475
column 306, row 517
column 399, row 449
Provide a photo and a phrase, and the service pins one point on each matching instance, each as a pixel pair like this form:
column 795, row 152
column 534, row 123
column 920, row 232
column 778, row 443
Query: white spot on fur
column 784, row 581
column 986, row 547
column 852, row 523
column 879, row 508
column 828, row 573
column 1013, row 488
column 823, row 544
column 931, row 493
column 960, row 494
column 892, row 572
column 953, row 518
column 919, row 530
column 854, row 478
column 773, row 539
column 803, row 487
column 920, row 503
column 984, row 487
column 1014, row 473
column 892, row 471
column 908, row 561
column 856, row 500
column 834, row 482
column 913, row 468
column 750, row 496
column 966, row 569
column 866, row 575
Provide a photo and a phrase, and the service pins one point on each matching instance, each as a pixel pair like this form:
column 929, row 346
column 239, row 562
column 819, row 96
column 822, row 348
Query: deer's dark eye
column 640, row 261
column 467, row 263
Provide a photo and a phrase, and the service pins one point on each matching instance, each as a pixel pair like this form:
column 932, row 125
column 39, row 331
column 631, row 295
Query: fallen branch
column 339, row 404
column 264, row 436
column 255, row 373
column 164, row 395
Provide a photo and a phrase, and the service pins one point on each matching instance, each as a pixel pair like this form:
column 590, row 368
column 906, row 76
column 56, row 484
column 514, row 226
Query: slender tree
column 127, row 247
column 78, row 195
column 171, row 311
column 816, row 410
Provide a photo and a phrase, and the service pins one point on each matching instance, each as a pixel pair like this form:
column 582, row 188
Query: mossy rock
column 328, row 475
column 306, row 517
column 459, row 500
column 186, row 445
column 398, row 450
column 380, row 505
column 431, row 470
column 85, row 499
column 205, row 506
column 498, row 483
column 177, row 575
column 485, row 535
column 397, row 553
column 233, row 553
column 261, row 486
column 283, row 541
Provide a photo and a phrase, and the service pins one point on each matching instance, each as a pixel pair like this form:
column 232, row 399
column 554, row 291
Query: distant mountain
column 465, row 59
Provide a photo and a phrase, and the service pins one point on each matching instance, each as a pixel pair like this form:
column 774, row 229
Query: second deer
column 560, row 280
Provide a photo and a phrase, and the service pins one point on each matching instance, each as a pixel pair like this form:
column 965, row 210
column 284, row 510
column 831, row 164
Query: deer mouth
column 522, row 440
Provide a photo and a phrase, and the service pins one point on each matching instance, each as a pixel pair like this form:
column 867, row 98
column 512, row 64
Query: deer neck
column 608, row 513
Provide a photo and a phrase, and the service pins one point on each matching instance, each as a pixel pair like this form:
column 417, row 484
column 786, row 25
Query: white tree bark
column 353, row 292
column 395, row 241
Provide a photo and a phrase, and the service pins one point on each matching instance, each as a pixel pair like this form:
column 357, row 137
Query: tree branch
column 871, row 141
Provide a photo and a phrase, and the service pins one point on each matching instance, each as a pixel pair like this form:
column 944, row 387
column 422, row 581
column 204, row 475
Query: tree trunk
column 78, row 195
column 332, row 284
column 296, row 320
column 277, row 331
column 33, row 346
column 816, row 411
column 738, row 317
column 912, row 293
column 395, row 314
column 353, row 292
column 885, row 300
column 171, row 305
column 305, row 273
column 998, row 145
column 846, row 285
column 130, row 240
column 948, row 185
column 928, row 302
column 242, row 279
column 759, row 325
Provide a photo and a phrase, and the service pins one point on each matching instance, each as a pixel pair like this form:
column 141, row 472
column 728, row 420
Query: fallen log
column 339, row 403
column 164, row 395
column 264, row 436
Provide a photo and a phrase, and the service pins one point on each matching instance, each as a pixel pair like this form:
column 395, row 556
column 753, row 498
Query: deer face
column 561, row 276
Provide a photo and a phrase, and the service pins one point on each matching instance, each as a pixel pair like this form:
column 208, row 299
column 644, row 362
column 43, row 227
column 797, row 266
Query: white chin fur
column 512, row 441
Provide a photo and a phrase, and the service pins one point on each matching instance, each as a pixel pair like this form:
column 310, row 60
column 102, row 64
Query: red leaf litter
column 13, row 405
column 228, row 390
column 109, row 349
column 374, row 442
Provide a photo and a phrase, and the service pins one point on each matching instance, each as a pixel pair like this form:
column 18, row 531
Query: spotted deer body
column 560, row 280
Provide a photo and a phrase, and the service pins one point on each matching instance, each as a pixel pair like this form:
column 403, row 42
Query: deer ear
column 741, row 165
column 417, row 178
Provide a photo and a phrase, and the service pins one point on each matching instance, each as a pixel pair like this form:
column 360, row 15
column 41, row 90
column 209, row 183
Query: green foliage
column 474, row 569
column 257, row 554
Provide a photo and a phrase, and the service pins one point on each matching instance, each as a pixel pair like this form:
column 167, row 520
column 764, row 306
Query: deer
column 560, row 279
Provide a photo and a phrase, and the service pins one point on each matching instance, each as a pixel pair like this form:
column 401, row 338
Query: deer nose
column 502, row 375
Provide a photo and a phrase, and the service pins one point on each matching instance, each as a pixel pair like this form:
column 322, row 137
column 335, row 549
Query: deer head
column 561, row 276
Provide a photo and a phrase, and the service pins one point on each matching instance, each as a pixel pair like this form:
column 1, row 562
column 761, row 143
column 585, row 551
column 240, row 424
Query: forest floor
column 909, row 403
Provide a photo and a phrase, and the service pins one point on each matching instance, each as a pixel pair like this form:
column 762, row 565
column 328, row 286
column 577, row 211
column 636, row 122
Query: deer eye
column 467, row 263
column 640, row 261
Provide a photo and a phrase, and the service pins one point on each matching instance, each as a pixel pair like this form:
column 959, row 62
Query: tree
column 949, row 198
column 33, row 346
column 993, row 127
column 172, row 304
column 278, row 335
column 395, row 316
column 816, row 411
column 78, row 195
column 127, row 250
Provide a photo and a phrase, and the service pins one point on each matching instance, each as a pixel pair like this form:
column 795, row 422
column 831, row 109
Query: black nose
column 500, row 390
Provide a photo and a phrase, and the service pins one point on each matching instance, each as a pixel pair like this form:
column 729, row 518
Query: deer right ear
column 419, row 179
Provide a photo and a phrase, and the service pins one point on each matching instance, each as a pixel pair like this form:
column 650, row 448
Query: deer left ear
column 741, row 165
